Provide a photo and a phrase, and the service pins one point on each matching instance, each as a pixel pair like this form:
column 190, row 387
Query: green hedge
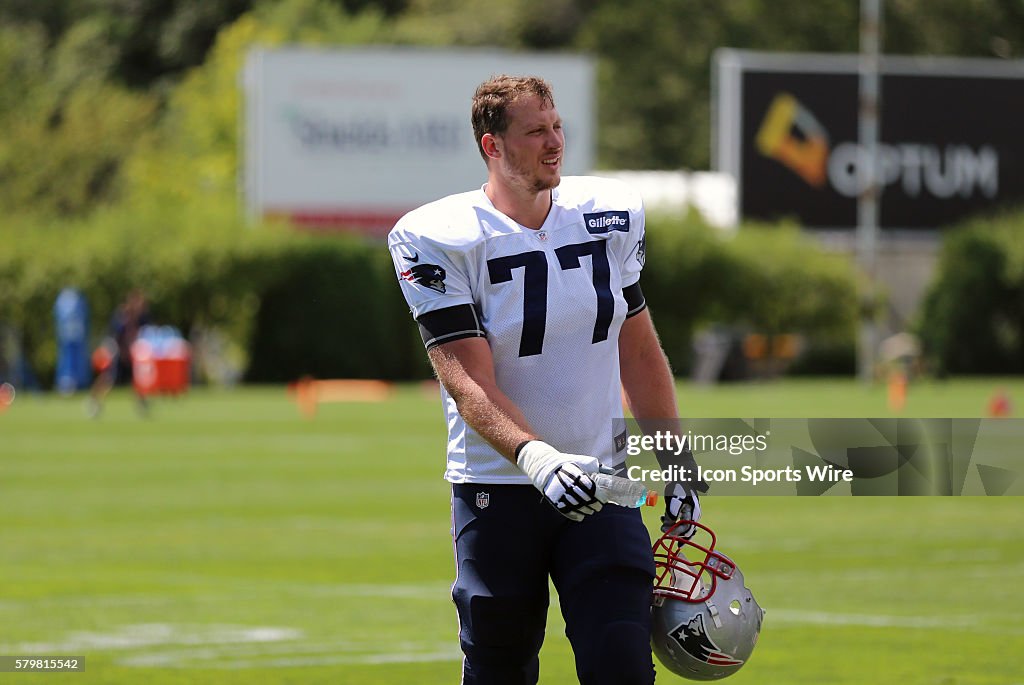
column 329, row 306
column 296, row 304
column 764, row 279
column 973, row 315
column 333, row 309
column 198, row 264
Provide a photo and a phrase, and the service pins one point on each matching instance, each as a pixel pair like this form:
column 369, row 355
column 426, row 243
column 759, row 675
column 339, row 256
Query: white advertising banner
column 358, row 137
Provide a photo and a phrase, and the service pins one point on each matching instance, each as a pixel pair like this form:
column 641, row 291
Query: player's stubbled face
column 533, row 144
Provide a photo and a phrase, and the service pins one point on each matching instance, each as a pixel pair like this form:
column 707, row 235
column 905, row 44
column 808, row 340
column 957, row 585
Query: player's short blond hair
column 493, row 97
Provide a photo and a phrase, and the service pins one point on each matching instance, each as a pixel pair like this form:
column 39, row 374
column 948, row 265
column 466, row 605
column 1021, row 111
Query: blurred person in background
column 112, row 360
column 528, row 301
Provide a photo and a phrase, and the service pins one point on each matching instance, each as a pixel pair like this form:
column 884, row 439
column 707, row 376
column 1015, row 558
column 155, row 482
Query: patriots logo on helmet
column 429, row 275
column 694, row 640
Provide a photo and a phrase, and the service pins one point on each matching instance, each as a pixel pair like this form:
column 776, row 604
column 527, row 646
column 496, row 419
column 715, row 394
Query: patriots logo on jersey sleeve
column 641, row 251
column 429, row 275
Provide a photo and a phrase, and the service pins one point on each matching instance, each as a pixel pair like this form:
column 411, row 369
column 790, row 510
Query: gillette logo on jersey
column 602, row 222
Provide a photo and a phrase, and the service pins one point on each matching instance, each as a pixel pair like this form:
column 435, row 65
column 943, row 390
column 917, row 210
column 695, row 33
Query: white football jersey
column 550, row 303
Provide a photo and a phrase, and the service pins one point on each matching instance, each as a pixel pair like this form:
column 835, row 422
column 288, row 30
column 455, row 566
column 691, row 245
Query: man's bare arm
column 466, row 369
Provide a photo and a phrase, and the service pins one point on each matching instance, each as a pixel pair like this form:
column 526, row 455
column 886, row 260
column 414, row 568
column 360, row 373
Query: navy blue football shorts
column 508, row 542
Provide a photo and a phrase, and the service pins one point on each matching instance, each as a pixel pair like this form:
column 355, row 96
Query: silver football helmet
column 706, row 621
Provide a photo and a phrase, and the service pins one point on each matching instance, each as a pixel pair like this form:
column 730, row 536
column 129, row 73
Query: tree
column 66, row 127
column 656, row 57
column 194, row 150
column 151, row 40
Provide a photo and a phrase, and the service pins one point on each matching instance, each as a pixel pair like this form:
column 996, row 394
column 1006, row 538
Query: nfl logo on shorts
column 482, row 500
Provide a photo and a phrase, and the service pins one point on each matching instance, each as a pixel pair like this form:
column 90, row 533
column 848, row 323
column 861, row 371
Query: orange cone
column 897, row 391
column 1000, row 406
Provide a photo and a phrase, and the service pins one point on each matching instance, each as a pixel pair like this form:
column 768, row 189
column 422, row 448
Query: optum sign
column 950, row 142
column 919, row 170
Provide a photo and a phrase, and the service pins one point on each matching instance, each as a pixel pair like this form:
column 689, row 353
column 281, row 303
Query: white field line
column 823, row 618
column 435, row 591
column 968, row 569
column 289, row 649
column 156, row 634
column 236, row 647
column 369, row 659
column 295, row 655
column 287, row 655
column 975, row 566
column 155, row 645
column 426, row 591
column 92, row 601
column 976, row 623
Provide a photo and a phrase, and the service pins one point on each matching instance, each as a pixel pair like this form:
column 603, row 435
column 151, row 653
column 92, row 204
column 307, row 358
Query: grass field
column 226, row 539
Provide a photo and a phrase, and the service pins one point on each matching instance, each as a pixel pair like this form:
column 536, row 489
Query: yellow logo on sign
column 791, row 135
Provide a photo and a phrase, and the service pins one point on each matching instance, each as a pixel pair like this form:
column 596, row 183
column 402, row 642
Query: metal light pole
column 869, row 173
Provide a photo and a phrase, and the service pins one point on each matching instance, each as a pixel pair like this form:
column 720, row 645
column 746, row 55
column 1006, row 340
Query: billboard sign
column 358, row 137
column 950, row 140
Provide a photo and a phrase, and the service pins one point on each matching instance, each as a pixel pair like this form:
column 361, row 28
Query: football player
column 527, row 295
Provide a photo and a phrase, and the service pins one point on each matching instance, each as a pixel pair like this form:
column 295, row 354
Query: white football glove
column 563, row 478
column 681, row 504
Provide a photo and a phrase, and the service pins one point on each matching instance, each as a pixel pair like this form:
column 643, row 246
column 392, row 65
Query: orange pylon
column 897, row 391
column 1000, row 406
